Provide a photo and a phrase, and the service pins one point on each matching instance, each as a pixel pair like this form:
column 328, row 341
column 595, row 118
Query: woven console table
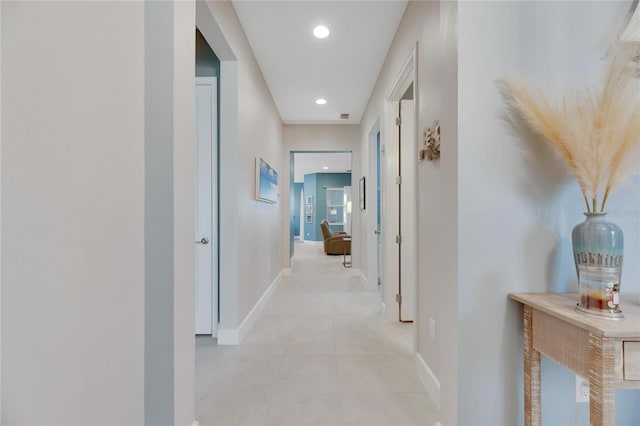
column 605, row 351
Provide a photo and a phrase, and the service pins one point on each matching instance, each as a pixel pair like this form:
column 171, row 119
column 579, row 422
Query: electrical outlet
column 432, row 329
column 582, row 389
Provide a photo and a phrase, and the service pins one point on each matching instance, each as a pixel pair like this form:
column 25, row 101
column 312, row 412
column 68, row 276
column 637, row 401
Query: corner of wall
column 234, row 336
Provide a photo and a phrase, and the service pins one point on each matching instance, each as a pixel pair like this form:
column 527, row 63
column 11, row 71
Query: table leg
column 344, row 255
column 532, row 405
column 602, row 401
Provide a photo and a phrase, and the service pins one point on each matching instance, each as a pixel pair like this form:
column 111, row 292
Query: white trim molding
column 368, row 285
column 235, row 335
column 228, row 336
column 429, row 379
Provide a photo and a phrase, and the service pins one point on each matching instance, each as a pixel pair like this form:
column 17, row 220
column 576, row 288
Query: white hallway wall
column 72, row 292
column 75, row 285
column 433, row 26
column 517, row 207
column 251, row 243
column 80, row 208
column 493, row 224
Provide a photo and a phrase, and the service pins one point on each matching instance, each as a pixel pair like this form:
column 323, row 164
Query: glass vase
column 598, row 252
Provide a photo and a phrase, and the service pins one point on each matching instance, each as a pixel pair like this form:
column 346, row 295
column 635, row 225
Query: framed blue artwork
column 266, row 182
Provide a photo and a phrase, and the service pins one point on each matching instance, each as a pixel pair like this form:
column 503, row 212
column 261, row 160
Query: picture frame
column 266, row 182
column 308, row 209
column 309, row 199
column 363, row 195
column 308, row 218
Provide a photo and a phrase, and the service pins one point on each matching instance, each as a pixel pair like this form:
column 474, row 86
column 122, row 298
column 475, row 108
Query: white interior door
column 407, row 212
column 398, row 249
column 390, row 268
column 206, row 238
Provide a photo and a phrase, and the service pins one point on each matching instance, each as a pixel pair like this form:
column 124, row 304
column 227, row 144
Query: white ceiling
column 300, row 68
column 305, row 163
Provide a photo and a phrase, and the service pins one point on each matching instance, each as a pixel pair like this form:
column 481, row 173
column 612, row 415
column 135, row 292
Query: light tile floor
column 319, row 354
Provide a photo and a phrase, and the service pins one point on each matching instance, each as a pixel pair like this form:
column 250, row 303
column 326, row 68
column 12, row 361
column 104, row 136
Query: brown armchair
column 334, row 242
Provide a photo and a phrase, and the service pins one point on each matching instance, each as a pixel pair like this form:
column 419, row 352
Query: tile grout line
column 340, row 410
column 280, row 357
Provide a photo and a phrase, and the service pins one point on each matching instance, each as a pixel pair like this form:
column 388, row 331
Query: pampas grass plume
column 595, row 132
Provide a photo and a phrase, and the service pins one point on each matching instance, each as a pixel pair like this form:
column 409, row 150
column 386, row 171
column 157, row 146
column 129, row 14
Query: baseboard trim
column 369, row 285
column 228, row 336
column 235, row 335
column 358, row 273
column 428, row 378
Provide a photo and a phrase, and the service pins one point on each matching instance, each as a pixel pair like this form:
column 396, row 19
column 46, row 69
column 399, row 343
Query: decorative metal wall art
column 431, row 138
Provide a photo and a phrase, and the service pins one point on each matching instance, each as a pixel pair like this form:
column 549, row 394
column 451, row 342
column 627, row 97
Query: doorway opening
column 373, row 233
column 321, row 189
column 398, row 193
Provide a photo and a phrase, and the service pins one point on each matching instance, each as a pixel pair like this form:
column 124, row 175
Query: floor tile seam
column 384, row 392
column 271, row 388
column 363, row 355
column 335, row 358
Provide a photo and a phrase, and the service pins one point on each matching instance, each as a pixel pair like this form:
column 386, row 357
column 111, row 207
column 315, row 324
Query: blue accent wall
column 310, row 190
column 316, row 184
column 377, row 183
column 297, row 187
column 291, row 203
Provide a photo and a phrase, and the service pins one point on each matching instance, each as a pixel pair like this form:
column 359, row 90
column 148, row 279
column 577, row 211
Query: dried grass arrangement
column 596, row 132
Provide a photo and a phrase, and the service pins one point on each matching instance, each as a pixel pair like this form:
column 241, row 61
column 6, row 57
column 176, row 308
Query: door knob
column 376, row 232
column 204, row 241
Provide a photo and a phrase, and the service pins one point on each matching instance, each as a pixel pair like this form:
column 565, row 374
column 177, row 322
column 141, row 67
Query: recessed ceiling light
column 321, row 31
column 325, row 168
column 321, row 101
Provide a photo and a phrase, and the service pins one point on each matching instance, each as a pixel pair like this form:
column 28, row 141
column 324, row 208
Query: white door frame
column 404, row 79
column 370, row 231
column 408, row 261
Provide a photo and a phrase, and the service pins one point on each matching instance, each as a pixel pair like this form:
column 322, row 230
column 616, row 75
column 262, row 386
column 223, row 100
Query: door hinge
column 382, row 148
column 398, row 239
column 399, row 298
column 398, row 180
column 398, row 121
